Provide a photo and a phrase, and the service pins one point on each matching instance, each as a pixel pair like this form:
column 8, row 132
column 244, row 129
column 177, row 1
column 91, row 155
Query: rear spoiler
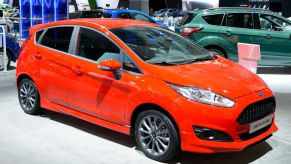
column 35, row 28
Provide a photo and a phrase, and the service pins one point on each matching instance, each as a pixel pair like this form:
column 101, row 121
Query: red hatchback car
column 145, row 81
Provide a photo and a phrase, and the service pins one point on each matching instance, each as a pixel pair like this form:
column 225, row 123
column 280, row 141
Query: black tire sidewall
column 174, row 146
column 218, row 52
column 36, row 109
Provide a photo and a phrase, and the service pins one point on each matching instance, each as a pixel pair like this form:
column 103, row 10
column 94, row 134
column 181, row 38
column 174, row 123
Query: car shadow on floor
column 246, row 156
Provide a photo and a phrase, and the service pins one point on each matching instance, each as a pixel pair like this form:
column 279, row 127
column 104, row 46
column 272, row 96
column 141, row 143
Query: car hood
column 287, row 28
column 220, row 75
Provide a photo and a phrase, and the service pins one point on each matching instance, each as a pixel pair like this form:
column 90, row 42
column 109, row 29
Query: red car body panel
column 77, row 87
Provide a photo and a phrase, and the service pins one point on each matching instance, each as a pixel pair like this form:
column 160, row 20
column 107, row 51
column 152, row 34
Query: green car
column 219, row 30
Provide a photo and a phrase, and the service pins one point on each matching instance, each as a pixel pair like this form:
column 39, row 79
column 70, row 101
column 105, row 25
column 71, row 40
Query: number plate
column 255, row 126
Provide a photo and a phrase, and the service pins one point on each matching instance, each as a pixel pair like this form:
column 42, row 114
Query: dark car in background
column 220, row 29
column 12, row 45
column 169, row 12
column 112, row 13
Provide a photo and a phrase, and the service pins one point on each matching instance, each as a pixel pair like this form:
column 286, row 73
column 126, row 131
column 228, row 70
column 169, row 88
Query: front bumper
column 222, row 119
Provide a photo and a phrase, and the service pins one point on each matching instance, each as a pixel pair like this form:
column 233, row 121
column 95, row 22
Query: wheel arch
column 149, row 106
column 213, row 46
column 22, row 76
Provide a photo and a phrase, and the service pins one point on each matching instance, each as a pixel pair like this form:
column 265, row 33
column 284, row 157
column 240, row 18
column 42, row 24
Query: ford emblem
column 260, row 94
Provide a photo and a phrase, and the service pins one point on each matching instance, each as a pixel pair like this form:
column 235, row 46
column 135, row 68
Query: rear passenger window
column 213, row 19
column 58, row 38
column 95, row 46
column 241, row 20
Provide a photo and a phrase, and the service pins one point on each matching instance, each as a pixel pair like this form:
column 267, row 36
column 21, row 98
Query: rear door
column 53, row 50
column 275, row 42
column 238, row 28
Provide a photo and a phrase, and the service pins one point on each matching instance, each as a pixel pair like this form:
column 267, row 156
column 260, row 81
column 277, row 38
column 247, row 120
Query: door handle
column 268, row 36
column 77, row 70
column 38, row 55
column 228, row 33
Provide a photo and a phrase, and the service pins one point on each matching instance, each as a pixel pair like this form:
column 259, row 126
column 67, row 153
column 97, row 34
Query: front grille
column 257, row 111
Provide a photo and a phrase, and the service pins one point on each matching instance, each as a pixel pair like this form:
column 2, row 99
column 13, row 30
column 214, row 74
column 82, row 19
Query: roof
column 108, row 23
column 233, row 9
column 120, row 11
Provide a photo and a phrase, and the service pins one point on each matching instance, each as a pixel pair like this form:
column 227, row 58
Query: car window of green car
column 240, row 20
column 213, row 19
column 275, row 20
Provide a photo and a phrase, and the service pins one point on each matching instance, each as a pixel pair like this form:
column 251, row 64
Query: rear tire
column 28, row 96
column 217, row 52
column 156, row 136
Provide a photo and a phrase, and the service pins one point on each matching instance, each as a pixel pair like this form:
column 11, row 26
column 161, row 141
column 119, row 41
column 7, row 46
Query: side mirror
column 109, row 65
column 112, row 65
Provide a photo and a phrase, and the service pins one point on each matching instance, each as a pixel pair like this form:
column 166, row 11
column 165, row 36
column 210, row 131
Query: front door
column 275, row 41
column 91, row 90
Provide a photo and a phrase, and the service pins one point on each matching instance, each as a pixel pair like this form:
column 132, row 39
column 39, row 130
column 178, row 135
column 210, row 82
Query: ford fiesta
column 142, row 80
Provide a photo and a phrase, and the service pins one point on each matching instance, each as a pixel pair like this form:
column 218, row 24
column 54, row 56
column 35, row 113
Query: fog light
column 211, row 134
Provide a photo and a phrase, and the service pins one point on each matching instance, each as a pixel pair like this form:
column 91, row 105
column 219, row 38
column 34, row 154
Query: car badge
column 260, row 94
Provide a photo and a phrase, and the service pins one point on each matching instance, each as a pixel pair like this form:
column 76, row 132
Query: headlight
column 203, row 96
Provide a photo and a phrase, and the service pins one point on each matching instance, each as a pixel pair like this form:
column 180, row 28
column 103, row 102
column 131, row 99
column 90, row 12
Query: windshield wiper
column 197, row 60
column 163, row 63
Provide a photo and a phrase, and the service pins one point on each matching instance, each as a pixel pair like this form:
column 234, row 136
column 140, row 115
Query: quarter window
column 58, row 38
column 241, row 20
column 95, row 46
column 37, row 35
column 213, row 19
column 129, row 65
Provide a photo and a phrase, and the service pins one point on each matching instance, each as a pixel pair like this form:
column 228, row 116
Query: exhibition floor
column 57, row 138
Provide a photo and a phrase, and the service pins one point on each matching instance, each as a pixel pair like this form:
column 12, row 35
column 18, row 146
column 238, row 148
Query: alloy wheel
column 154, row 135
column 28, row 95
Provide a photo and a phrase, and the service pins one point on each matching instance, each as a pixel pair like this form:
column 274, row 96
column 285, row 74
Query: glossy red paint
column 79, row 88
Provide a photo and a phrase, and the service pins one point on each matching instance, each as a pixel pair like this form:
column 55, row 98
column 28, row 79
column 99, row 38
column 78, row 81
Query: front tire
column 156, row 136
column 28, row 96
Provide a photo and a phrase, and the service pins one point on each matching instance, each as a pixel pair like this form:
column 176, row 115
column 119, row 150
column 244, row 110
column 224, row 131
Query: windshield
column 160, row 46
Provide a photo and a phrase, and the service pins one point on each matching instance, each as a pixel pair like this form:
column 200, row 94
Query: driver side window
column 94, row 46
column 269, row 23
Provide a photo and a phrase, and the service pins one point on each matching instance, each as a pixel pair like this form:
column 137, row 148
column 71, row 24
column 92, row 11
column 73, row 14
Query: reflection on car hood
column 220, row 76
column 287, row 28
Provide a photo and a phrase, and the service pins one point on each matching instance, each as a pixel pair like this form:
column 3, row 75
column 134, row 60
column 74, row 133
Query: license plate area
column 257, row 125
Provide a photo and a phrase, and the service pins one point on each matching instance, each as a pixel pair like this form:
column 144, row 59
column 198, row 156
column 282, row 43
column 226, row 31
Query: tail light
column 188, row 30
